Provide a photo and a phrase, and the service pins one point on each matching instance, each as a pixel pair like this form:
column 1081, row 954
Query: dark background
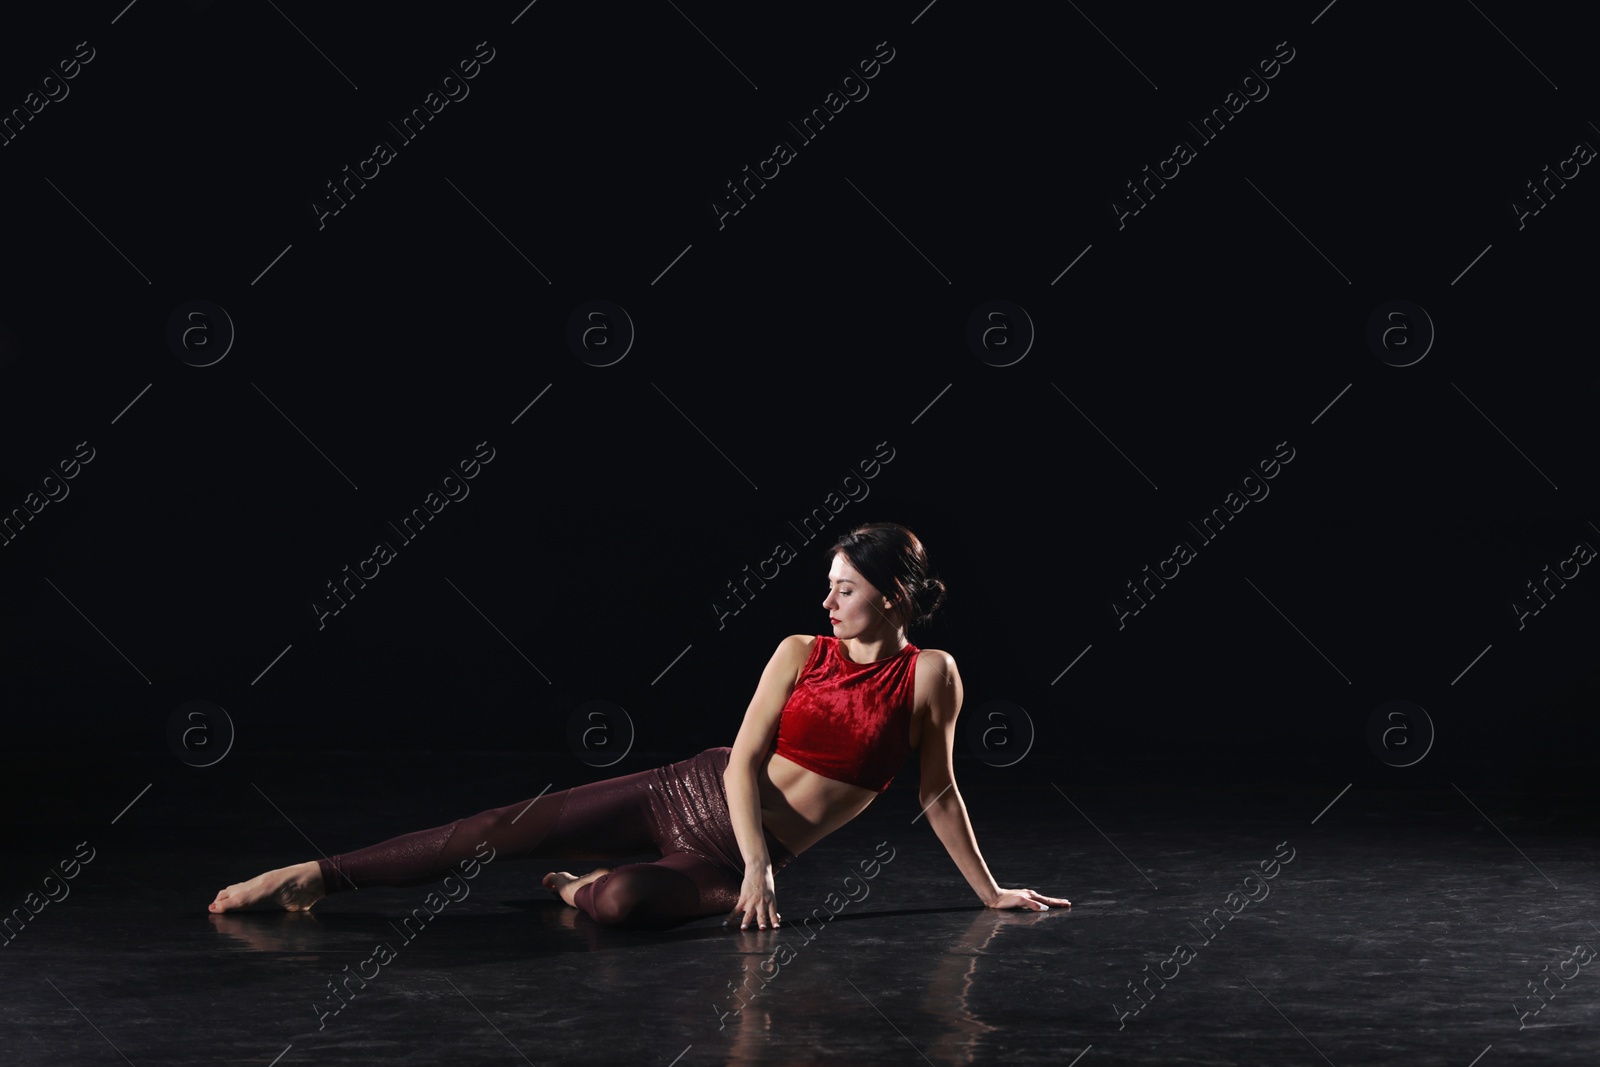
column 775, row 354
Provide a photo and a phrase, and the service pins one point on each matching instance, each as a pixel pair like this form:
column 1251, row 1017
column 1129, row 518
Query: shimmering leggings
column 680, row 810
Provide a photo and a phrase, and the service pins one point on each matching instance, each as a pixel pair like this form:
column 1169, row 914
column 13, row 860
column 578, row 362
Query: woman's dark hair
column 892, row 558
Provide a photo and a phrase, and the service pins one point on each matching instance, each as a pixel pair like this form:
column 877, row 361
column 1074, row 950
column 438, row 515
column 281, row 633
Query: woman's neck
column 872, row 649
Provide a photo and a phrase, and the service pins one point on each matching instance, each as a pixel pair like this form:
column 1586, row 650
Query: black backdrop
column 1142, row 366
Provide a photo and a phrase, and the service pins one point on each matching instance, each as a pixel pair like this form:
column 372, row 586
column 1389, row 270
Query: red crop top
column 850, row 721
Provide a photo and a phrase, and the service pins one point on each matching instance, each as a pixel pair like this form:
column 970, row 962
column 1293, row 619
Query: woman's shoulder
column 801, row 643
column 795, row 652
column 934, row 682
column 935, row 673
column 797, row 649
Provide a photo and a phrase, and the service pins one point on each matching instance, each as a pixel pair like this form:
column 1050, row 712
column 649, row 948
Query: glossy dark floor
column 1399, row 928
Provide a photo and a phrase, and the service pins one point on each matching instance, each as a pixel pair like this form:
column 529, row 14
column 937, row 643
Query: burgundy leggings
column 680, row 810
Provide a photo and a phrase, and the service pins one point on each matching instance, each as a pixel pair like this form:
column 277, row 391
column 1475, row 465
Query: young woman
column 833, row 718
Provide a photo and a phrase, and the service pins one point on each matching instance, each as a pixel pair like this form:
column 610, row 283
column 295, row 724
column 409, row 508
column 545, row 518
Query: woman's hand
column 1028, row 900
column 758, row 900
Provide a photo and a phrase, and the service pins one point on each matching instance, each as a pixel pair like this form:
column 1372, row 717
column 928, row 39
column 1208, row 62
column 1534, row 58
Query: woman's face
column 854, row 607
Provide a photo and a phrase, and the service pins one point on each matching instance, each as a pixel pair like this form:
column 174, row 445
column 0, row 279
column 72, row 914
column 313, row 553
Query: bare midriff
column 800, row 807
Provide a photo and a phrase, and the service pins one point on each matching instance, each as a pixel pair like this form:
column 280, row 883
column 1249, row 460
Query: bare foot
column 290, row 888
column 566, row 885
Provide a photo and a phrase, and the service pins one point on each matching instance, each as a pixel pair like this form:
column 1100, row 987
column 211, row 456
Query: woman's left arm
column 938, row 796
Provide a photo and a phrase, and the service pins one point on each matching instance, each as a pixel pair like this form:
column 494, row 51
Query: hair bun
column 930, row 596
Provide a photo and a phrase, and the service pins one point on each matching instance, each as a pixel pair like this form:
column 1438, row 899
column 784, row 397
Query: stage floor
column 1259, row 926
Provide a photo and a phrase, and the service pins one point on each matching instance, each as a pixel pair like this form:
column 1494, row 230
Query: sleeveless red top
column 850, row 721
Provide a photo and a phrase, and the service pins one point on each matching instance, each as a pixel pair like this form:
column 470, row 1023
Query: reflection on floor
column 1207, row 927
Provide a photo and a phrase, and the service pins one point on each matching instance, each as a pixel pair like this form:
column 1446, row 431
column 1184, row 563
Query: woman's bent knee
column 642, row 895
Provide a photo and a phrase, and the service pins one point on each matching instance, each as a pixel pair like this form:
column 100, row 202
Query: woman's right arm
column 758, row 899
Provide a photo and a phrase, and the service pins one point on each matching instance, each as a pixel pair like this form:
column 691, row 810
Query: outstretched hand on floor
column 1028, row 900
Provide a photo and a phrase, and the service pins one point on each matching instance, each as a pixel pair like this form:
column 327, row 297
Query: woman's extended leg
column 598, row 820
column 594, row 821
